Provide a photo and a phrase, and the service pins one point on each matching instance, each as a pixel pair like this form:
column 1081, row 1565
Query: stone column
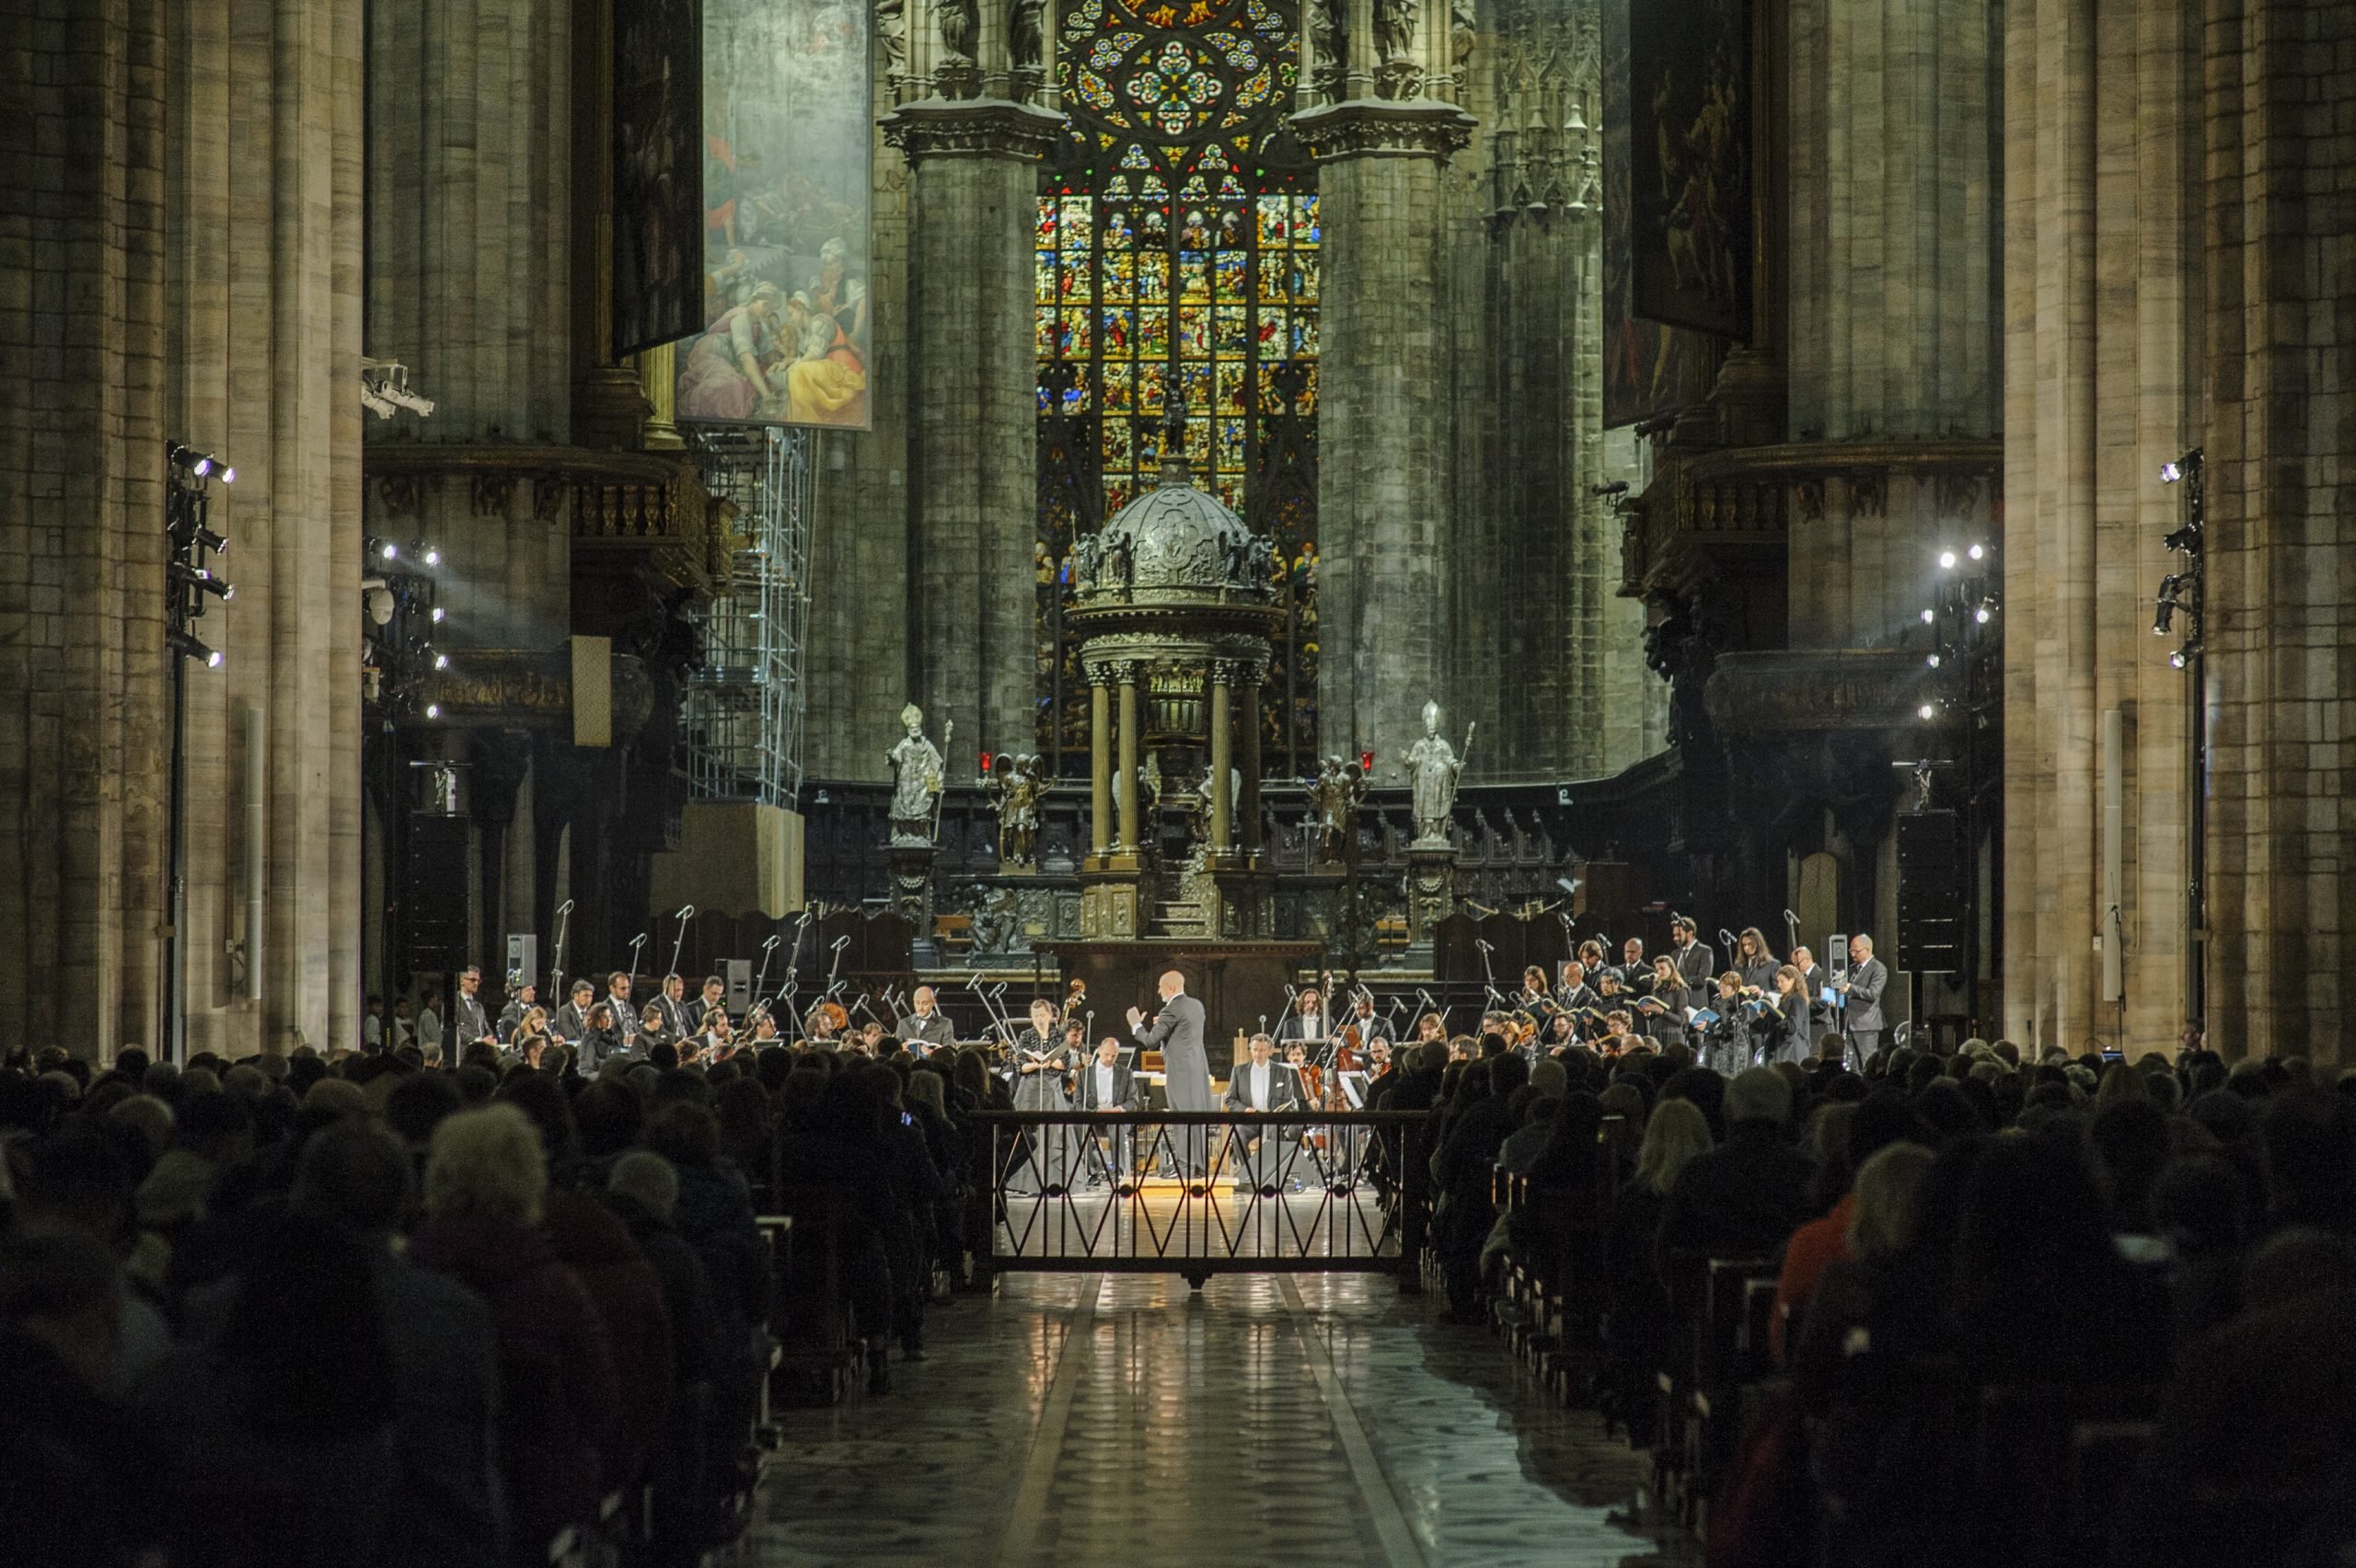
column 1132, row 834
column 971, row 379
column 1247, row 797
column 1222, row 766
column 657, row 382
column 1383, row 454
column 1100, row 768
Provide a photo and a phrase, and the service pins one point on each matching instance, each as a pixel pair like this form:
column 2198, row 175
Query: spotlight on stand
column 2183, row 655
column 1986, row 610
column 1946, row 560
column 1927, row 711
column 186, row 645
column 1929, row 616
column 427, row 553
column 1931, row 659
column 2185, row 540
column 1977, row 551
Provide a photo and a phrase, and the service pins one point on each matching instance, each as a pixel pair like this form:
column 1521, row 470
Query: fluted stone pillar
column 1222, row 767
column 1099, row 769
column 1247, row 796
column 1131, row 832
column 971, row 448
column 1383, row 455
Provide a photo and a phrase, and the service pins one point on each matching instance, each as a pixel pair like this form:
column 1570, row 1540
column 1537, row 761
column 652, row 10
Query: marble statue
column 916, row 777
column 1014, row 792
column 1433, row 767
column 1334, row 799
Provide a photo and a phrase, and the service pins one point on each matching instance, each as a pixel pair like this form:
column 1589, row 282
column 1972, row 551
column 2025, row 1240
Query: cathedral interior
column 1743, row 426
column 939, row 512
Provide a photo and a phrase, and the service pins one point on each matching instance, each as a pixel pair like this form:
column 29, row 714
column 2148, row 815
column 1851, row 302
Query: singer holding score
column 1177, row 1033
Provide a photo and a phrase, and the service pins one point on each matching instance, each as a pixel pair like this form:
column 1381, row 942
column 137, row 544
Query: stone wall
column 182, row 234
column 2177, row 274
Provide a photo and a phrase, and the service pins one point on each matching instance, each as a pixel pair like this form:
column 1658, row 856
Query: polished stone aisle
column 1266, row 1419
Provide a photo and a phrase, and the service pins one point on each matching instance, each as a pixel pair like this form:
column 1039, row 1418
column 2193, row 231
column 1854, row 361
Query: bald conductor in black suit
column 1177, row 1033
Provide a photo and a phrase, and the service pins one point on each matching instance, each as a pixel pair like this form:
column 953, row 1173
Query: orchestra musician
column 466, row 1017
column 1306, row 1022
column 1754, row 961
column 1664, row 1004
column 1697, row 964
column 1106, row 1085
column 526, row 997
column 653, row 1029
column 1636, row 975
column 1536, row 995
column 1260, row 1084
column 573, row 1017
column 1862, row 988
column 618, row 997
column 600, row 1035
column 677, row 1017
column 1040, row 1062
column 925, row 1028
column 715, row 997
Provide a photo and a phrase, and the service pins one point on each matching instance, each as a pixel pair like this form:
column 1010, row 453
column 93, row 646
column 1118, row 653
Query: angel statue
column 916, row 778
column 1433, row 767
column 1334, row 799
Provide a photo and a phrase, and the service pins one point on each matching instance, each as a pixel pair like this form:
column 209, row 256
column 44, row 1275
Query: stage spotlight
column 1946, row 560
column 1931, row 659
column 2182, row 656
column 2186, row 539
column 427, row 553
column 209, row 541
column 1987, row 608
column 441, row 660
column 1926, row 711
column 1977, row 551
column 437, row 615
column 434, row 710
column 188, row 647
column 196, row 577
column 1929, row 616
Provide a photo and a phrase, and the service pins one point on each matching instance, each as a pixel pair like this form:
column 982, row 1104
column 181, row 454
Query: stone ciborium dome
column 1175, row 539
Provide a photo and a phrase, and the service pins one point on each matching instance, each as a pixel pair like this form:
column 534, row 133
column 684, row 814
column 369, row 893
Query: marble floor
column 1291, row 1419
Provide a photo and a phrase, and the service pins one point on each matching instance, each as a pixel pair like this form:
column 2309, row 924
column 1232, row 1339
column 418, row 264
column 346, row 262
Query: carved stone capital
column 1384, row 128
column 972, row 128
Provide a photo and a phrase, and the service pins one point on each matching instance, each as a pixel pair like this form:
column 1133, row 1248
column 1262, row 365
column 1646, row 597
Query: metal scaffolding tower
column 742, row 716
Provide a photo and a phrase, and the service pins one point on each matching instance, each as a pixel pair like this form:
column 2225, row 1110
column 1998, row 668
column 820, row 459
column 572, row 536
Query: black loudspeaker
column 1933, row 893
column 434, row 892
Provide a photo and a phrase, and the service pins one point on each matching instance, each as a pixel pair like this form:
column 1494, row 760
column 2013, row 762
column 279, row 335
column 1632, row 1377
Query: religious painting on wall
column 658, row 151
column 1688, row 205
column 788, row 174
column 1177, row 261
column 1649, row 368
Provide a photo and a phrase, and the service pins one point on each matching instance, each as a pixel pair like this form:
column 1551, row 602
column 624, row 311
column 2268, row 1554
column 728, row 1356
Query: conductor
column 1177, row 1033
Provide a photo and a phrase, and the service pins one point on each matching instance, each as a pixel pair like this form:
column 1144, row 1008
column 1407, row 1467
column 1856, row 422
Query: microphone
column 840, row 943
column 769, row 944
column 1569, row 884
column 1790, row 918
column 685, row 910
column 638, row 940
column 1483, row 944
column 565, row 908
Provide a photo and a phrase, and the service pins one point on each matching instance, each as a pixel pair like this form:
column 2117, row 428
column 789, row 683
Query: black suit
column 1696, row 963
column 468, row 1021
column 568, row 1022
column 1127, row 1095
column 1304, row 1026
column 676, row 1020
column 935, row 1031
column 1256, row 1149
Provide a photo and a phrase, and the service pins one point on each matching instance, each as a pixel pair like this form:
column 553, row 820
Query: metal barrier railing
column 1202, row 1192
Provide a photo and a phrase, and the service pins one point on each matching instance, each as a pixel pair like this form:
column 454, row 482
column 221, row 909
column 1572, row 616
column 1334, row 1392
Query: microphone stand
column 556, row 975
column 635, row 942
column 685, row 910
column 760, row 981
column 1488, row 971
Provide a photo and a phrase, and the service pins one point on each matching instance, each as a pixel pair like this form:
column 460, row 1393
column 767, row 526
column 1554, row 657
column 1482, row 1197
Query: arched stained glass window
column 1177, row 256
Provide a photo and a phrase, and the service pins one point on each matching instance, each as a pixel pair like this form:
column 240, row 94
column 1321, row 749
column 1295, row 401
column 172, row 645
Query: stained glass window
column 1177, row 256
